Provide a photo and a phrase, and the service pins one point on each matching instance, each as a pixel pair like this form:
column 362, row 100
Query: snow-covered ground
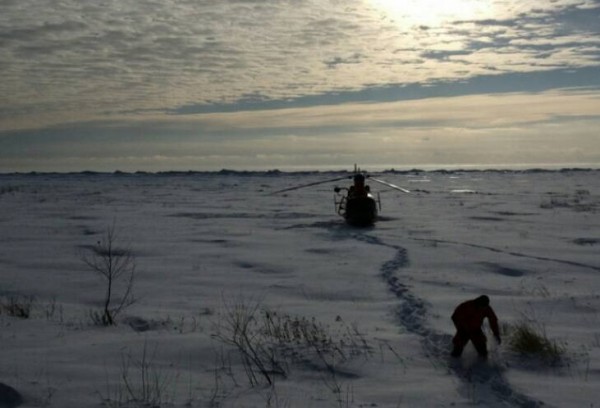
column 210, row 247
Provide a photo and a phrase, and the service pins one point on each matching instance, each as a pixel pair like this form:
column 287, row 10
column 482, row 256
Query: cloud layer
column 70, row 64
column 489, row 130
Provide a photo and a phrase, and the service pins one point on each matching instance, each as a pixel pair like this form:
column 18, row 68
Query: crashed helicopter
column 356, row 204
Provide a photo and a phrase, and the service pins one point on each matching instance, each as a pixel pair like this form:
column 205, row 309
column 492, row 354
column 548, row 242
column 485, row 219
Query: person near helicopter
column 359, row 189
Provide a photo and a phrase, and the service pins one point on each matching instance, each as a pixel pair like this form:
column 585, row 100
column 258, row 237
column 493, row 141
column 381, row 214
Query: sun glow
column 433, row 12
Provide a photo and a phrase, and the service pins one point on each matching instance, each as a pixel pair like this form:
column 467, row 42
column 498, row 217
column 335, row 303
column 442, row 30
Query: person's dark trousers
column 462, row 337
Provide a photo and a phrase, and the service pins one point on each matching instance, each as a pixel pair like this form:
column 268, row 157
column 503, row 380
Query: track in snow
column 482, row 382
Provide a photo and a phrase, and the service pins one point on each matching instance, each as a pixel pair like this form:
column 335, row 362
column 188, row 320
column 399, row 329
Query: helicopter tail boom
column 385, row 183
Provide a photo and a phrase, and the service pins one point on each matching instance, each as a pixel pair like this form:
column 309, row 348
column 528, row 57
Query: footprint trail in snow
column 482, row 382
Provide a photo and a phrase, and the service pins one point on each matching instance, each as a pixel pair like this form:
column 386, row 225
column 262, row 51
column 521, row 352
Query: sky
column 158, row 85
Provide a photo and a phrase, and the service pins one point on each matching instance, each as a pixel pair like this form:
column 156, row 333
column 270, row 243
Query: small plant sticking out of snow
column 116, row 267
column 270, row 342
column 530, row 341
column 143, row 383
column 17, row 306
column 580, row 201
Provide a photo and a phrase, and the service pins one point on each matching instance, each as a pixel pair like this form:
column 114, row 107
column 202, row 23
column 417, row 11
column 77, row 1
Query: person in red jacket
column 468, row 319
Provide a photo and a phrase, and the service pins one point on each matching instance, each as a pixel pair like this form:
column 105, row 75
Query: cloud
column 275, row 81
column 494, row 128
column 81, row 58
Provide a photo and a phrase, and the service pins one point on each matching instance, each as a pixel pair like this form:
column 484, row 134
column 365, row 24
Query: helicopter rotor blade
column 311, row 184
column 395, row 187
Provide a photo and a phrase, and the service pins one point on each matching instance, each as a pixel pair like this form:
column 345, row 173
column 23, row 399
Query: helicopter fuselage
column 359, row 211
column 356, row 204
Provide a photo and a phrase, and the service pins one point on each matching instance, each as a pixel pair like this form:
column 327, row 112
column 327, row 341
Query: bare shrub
column 142, row 383
column 10, row 189
column 580, row 201
column 116, row 266
column 269, row 342
column 223, row 379
column 240, row 328
column 150, row 384
column 17, row 306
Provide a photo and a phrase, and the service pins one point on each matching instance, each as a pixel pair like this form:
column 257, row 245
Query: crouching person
column 468, row 318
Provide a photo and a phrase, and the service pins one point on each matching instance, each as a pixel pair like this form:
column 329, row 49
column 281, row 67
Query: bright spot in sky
column 254, row 84
column 433, row 12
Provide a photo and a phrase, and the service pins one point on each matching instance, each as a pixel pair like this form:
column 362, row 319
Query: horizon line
column 550, row 168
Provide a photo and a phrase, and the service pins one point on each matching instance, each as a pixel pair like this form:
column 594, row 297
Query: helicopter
column 356, row 204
